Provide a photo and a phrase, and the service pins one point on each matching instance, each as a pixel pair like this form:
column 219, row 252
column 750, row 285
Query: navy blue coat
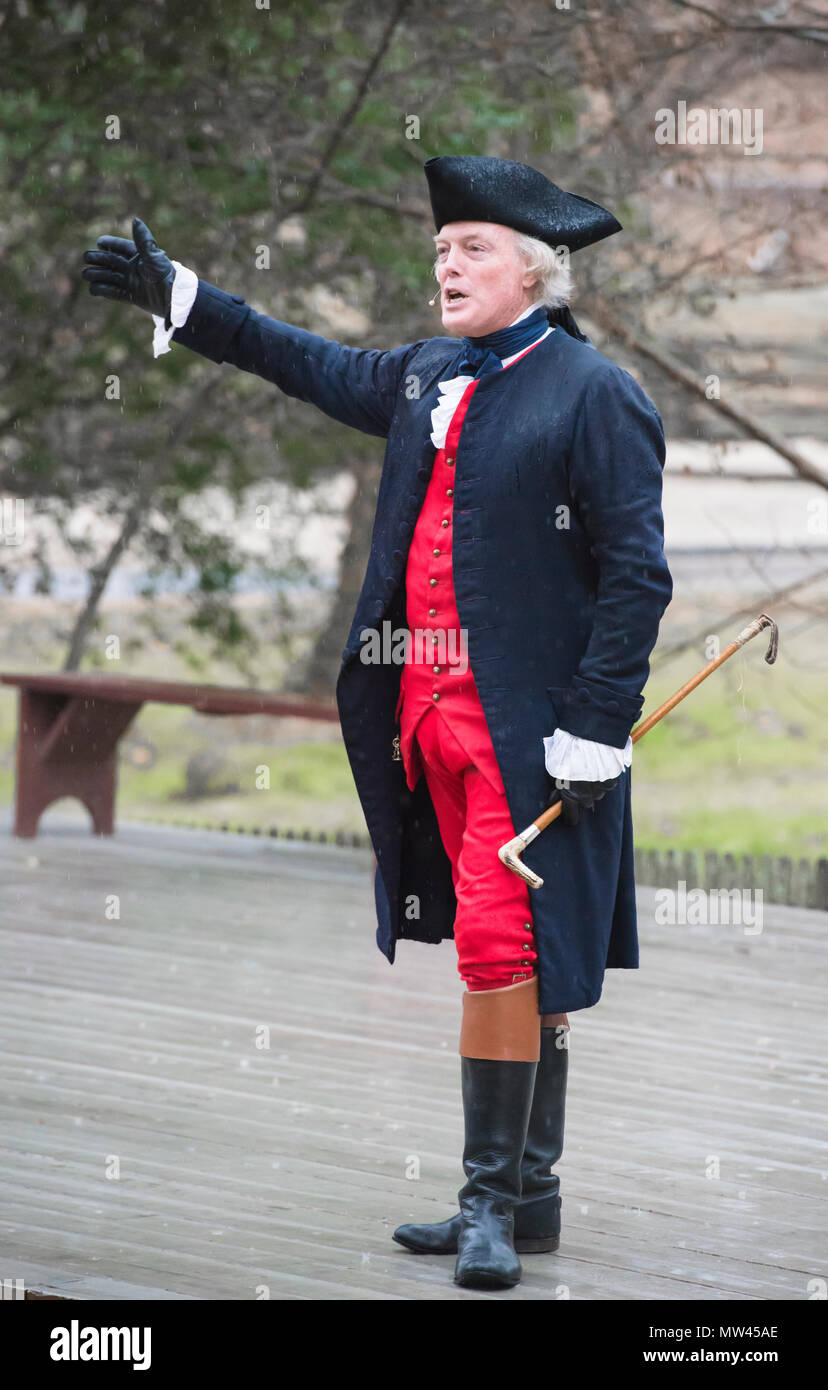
column 560, row 580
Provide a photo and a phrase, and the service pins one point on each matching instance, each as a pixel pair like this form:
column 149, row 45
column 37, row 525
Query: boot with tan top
column 499, row 1054
column 537, row 1214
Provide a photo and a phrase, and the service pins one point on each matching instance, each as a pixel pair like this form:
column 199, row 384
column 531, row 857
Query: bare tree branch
column 359, row 97
column 609, row 320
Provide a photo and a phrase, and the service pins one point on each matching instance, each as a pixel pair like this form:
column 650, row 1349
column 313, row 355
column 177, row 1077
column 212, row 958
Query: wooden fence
column 795, row 882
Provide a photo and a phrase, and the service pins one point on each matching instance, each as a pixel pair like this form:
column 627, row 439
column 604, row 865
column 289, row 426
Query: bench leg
column 71, row 768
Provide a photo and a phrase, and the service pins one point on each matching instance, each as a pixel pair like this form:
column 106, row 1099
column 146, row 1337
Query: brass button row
column 527, row 945
column 435, row 694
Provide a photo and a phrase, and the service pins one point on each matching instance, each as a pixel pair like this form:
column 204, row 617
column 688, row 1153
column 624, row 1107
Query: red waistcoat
column 431, row 605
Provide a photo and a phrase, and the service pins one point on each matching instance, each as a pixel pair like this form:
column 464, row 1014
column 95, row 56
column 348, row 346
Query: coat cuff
column 576, row 759
column 212, row 321
column 595, row 712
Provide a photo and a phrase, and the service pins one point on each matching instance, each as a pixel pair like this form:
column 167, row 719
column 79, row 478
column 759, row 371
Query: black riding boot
column 537, row 1225
column 497, row 1099
column 538, row 1213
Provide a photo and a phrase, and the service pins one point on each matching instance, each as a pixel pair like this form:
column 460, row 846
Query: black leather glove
column 137, row 272
column 578, row 796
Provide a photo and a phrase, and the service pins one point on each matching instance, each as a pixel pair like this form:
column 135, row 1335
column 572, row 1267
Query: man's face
column 479, row 261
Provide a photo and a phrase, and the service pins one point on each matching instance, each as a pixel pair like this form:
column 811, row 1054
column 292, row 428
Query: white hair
column 554, row 283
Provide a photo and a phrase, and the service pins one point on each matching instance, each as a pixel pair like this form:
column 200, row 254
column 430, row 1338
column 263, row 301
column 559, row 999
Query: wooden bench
column 70, row 724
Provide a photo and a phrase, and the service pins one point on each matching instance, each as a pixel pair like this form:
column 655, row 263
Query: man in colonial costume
column 518, row 541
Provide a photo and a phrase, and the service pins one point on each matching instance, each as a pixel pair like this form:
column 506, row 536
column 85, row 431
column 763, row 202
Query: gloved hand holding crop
column 578, row 796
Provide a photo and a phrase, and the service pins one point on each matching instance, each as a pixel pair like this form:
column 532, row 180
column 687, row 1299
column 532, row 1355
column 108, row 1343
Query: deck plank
column 285, row 1166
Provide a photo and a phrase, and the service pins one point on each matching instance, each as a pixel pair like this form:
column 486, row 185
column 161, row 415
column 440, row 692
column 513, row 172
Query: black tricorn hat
column 477, row 188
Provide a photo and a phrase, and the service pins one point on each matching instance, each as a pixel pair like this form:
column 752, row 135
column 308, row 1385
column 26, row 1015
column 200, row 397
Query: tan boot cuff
column 502, row 1025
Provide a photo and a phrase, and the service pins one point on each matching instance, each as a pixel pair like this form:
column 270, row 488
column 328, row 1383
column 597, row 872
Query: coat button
column 422, row 473
column 432, row 582
column 435, row 552
column 445, row 523
column 434, row 695
column 527, row 926
column 583, row 696
column 432, row 612
column 449, row 492
column 612, row 706
column 449, row 462
column 526, row 946
column 436, row 670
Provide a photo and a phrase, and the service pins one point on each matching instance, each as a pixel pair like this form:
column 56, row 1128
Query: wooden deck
column 135, row 1040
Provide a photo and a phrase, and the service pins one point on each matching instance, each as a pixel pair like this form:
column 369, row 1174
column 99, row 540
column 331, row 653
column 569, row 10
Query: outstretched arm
column 357, row 386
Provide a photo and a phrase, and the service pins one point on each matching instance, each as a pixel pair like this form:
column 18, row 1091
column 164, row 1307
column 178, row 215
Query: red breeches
column 493, row 930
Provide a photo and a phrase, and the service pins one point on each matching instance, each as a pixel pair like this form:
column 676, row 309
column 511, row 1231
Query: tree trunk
column 98, row 580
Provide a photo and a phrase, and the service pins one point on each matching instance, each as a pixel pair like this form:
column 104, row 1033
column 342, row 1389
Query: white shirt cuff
column 580, row 760
column 184, row 290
